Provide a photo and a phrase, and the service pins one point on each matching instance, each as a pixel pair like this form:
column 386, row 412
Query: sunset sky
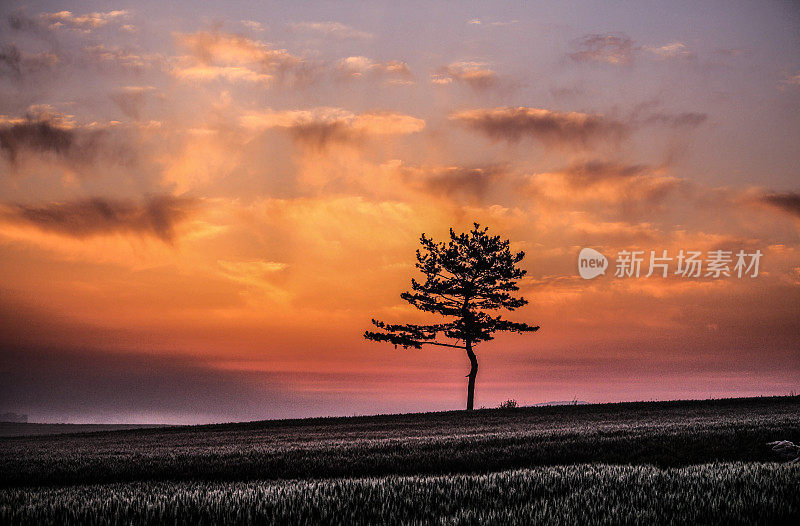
column 202, row 207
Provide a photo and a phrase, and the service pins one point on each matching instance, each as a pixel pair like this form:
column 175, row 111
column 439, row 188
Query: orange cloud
column 475, row 74
column 217, row 55
column 360, row 67
column 229, row 73
column 671, row 51
column 605, row 182
column 215, row 47
column 85, row 22
column 256, row 274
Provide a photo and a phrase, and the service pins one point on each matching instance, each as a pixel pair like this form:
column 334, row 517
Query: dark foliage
column 466, row 280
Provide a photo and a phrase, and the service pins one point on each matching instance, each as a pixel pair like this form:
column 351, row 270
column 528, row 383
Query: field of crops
column 730, row 493
column 702, row 461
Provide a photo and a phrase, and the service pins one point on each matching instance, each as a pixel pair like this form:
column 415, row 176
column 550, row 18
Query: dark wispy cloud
column 21, row 22
column 610, row 49
column 677, row 120
column 595, row 170
column 15, row 64
column 319, row 134
column 568, row 93
column 47, row 134
column 549, row 127
column 619, row 49
column 155, row 216
column 131, row 99
column 455, row 182
column 11, row 58
column 787, row 201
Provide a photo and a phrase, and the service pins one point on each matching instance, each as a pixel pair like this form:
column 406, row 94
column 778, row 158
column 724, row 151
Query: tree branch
column 443, row 345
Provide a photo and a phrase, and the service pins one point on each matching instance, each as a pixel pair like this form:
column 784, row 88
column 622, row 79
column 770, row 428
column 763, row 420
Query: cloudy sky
column 202, row 207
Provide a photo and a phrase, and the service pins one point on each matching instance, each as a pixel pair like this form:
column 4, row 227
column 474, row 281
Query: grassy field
column 694, row 461
column 729, row 493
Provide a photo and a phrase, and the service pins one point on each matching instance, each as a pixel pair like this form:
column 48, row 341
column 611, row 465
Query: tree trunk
column 473, row 372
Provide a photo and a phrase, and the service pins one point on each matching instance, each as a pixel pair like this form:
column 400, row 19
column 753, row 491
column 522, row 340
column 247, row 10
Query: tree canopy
column 466, row 279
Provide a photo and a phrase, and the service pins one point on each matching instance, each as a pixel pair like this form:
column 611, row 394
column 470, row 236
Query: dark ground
column 20, row 429
column 685, row 462
column 663, row 434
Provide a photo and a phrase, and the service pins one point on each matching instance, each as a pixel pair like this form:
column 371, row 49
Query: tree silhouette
column 472, row 274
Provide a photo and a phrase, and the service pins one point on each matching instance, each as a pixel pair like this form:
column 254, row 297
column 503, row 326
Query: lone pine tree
column 465, row 279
